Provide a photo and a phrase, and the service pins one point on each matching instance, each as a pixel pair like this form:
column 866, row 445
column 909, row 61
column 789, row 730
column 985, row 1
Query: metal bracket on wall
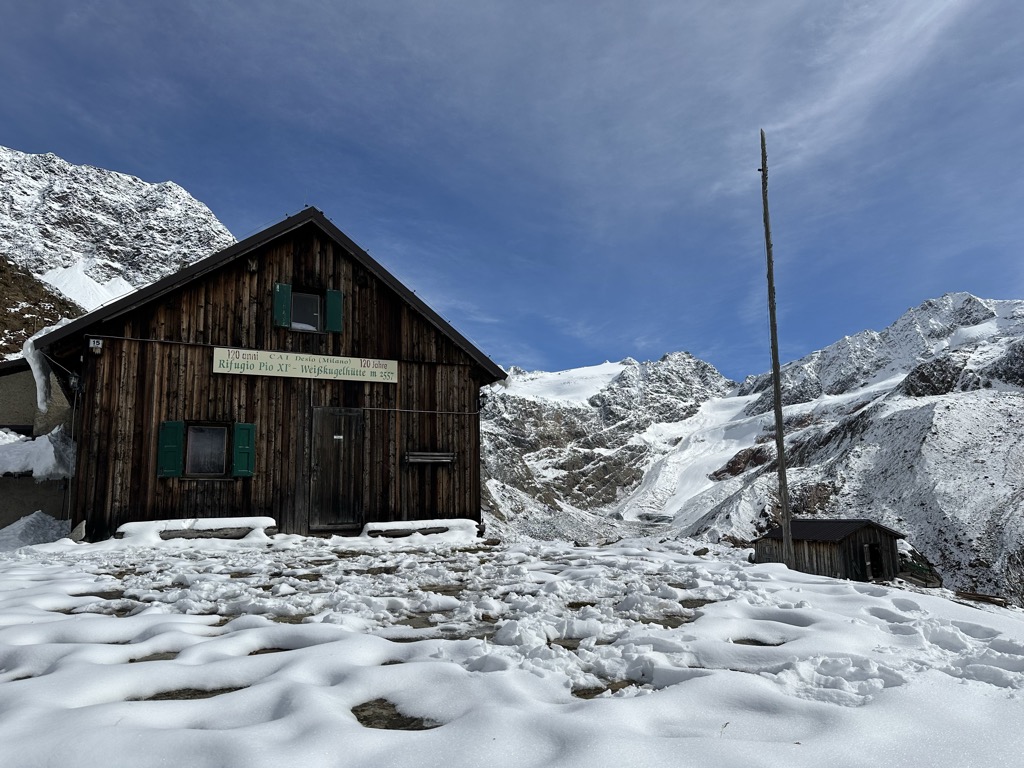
column 429, row 457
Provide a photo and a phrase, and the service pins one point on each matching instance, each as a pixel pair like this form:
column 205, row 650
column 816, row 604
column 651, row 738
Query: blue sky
column 575, row 181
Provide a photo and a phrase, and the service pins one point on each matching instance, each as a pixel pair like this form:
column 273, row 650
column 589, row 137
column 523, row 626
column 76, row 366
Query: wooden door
column 336, row 472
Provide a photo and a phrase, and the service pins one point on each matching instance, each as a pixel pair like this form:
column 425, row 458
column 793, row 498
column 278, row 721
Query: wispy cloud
column 863, row 54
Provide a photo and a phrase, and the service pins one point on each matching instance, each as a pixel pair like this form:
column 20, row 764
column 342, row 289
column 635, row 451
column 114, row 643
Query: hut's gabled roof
column 828, row 530
column 308, row 216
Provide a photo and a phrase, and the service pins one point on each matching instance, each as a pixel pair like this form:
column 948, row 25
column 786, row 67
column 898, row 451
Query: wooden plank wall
column 843, row 560
column 818, row 557
column 160, row 369
column 853, row 550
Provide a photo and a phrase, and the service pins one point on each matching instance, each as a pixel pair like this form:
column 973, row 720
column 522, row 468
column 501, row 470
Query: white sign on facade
column 256, row 362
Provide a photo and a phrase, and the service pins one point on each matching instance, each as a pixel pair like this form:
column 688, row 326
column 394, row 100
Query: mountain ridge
column 94, row 234
column 912, row 426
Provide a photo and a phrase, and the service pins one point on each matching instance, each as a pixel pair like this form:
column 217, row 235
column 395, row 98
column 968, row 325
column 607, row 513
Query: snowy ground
column 263, row 652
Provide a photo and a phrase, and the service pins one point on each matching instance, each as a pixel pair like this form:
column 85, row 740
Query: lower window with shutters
column 206, row 450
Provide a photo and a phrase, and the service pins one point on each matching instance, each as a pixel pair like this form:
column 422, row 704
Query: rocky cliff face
column 27, row 305
column 93, row 234
column 572, row 443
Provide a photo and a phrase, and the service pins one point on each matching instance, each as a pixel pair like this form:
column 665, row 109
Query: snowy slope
column 94, row 234
column 288, row 651
column 573, row 387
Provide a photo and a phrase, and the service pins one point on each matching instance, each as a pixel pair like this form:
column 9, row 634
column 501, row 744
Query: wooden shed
column 288, row 376
column 862, row 550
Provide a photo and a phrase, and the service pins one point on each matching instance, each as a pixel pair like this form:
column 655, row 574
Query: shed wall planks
column 842, row 559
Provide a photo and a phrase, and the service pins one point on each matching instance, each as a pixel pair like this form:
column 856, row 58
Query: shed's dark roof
column 828, row 530
column 306, row 216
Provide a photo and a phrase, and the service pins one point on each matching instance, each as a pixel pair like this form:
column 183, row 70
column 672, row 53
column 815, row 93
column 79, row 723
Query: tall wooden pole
column 780, row 443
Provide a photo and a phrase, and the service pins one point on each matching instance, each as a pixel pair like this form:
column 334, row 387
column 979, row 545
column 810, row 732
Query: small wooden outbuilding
column 288, row 376
column 861, row 550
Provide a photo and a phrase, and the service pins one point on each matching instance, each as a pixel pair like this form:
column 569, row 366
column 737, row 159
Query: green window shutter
column 171, row 449
column 282, row 305
column 332, row 316
column 243, row 462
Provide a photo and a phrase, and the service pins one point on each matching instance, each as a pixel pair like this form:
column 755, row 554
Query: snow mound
column 38, row 456
column 37, row 528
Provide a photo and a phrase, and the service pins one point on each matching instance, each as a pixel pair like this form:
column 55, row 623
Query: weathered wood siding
column 820, row 557
column 156, row 366
column 885, row 562
column 842, row 559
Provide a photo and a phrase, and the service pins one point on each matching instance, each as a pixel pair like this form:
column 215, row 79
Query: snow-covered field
column 262, row 652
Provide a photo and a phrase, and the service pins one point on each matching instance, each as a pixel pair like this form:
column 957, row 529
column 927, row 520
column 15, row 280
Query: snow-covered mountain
column 94, row 234
column 917, row 426
column 560, row 445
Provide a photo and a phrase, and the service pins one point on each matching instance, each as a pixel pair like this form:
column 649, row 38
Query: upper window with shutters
column 306, row 311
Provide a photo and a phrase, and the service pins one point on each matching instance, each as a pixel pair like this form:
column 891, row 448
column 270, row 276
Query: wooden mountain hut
column 288, row 376
column 861, row 550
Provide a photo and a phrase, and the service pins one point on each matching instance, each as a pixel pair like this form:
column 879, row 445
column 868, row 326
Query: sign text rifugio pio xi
column 254, row 362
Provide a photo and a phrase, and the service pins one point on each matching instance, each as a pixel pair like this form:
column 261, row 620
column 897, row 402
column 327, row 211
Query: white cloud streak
column 863, row 55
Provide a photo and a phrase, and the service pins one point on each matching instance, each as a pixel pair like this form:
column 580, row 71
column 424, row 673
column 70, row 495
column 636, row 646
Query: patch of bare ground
column 305, row 576
column 297, row 618
column 155, row 657
column 187, row 694
column 695, row 602
column 755, row 642
column 576, row 605
column 383, row 714
column 612, row 687
column 417, row 621
column 569, row 643
column 449, row 590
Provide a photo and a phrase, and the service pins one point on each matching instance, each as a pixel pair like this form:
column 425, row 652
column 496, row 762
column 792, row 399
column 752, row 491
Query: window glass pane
column 207, row 451
column 306, row 312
